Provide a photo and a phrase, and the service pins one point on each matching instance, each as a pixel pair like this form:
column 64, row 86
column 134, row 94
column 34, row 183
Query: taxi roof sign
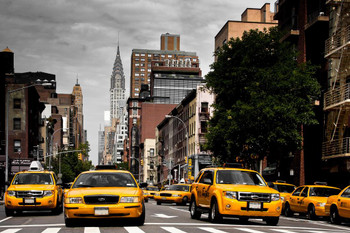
column 36, row 166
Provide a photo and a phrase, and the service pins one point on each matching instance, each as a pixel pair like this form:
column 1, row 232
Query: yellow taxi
column 152, row 190
column 176, row 193
column 145, row 194
column 104, row 194
column 234, row 192
column 284, row 188
column 338, row 206
column 35, row 189
column 310, row 200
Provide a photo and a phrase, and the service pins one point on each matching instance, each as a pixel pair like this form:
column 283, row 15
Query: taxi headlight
column 48, row 193
column 74, row 200
column 176, row 195
column 230, row 194
column 275, row 197
column 129, row 199
column 11, row 193
column 321, row 204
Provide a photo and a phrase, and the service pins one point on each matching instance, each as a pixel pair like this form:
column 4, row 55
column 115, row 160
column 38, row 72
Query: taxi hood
column 121, row 191
column 28, row 187
column 246, row 188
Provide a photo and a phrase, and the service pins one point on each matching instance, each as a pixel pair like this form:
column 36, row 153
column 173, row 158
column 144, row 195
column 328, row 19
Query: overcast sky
column 78, row 38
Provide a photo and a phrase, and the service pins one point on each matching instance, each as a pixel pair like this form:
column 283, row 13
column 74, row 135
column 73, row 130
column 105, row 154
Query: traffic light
column 80, row 156
column 141, row 162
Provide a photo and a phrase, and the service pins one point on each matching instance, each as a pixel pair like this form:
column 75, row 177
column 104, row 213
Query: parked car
column 338, row 206
column 35, row 189
column 104, row 194
column 234, row 192
column 176, row 193
column 284, row 188
column 310, row 200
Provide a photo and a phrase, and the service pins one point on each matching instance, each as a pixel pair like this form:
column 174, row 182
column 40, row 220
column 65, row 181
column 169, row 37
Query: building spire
column 118, row 53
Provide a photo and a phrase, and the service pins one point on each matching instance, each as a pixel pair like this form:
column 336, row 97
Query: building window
column 17, row 103
column 16, row 123
column 134, row 120
column 136, row 54
column 204, row 107
column 17, row 146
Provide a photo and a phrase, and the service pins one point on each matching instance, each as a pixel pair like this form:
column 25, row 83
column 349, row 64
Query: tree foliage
column 263, row 96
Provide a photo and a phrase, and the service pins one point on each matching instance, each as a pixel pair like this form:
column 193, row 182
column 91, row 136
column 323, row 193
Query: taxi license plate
column 28, row 200
column 254, row 205
column 101, row 211
column 163, row 198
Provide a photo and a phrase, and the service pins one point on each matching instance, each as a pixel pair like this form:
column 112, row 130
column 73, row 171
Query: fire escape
column 337, row 98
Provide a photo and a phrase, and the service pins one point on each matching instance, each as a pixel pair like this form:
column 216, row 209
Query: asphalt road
column 163, row 218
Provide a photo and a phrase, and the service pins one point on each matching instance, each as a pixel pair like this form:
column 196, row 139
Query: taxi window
column 282, row 188
column 152, row 188
column 33, row 178
column 304, row 192
column 239, row 177
column 297, row 191
column 346, row 193
column 323, row 192
column 179, row 188
column 104, row 179
column 198, row 176
column 207, row 175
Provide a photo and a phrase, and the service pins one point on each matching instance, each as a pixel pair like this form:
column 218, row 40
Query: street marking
column 283, row 231
column 249, row 230
column 3, row 220
column 163, row 216
column 212, row 230
column 91, row 230
column 52, row 230
column 173, row 230
column 133, row 230
column 174, row 208
column 11, row 230
column 318, row 223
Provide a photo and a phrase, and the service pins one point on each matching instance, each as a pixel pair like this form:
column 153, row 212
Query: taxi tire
column 159, row 203
column 184, row 200
column 311, row 215
column 272, row 221
column 140, row 221
column 58, row 209
column 334, row 216
column 9, row 212
column 195, row 214
column 287, row 211
column 214, row 214
column 69, row 222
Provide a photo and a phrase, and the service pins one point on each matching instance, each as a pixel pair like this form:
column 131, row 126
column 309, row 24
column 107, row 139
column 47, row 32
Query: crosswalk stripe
column 133, row 230
column 91, row 230
column 249, row 230
column 211, row 230
column 52, row 230
column 283, row 231
column 11, row 230
column 173, row 230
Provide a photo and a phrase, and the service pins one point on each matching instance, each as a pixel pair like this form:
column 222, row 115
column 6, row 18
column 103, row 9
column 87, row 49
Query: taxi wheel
column 334, row 216
column 58, row 209
column 69, row 222
column 184, row 200
column 311, row 212
column 214, row 214
column 141, row 220
column 195, row 214
column 159, row 203
column 243, row 220
column 273, row 221
column 287, row 211
column 9, row 212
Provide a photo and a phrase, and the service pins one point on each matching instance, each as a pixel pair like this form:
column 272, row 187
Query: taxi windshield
column 282, row 188
column 104, row 179
column 239, row 177
column 323, row 192
column 33, row 178
column 178, row 188
column 152, row 189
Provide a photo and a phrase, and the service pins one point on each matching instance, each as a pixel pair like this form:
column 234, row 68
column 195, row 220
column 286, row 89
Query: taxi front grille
column 101, row 199
column 32, row 193
column 261, row 197
column 165, row 194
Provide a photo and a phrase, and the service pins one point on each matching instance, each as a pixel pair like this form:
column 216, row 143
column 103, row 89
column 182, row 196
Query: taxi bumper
column 168, row 199
column 130, row 210
column 232, row 207
column 15, row 203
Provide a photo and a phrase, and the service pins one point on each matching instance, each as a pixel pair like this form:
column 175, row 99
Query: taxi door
column 304, row 200
column 343, row 202
column 294, row 200
column 203, row 187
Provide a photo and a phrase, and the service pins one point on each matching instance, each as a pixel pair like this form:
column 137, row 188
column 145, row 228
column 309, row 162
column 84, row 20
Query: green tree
column 263, row 96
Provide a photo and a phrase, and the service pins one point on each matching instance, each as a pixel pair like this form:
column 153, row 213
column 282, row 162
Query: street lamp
column 171, row 116
column 8, row 92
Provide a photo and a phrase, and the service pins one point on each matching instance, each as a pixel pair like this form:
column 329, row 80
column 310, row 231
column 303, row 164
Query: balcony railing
column 339, row 40
column 336, row 148
column 337, row 96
